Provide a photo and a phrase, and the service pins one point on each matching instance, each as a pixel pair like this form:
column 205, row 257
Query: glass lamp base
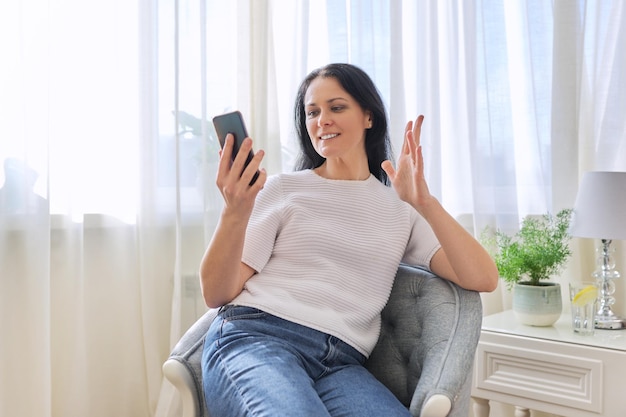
column 610, row 323
column 605, row 276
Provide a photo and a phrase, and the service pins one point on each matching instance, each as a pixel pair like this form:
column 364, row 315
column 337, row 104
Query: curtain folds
column 107, row 195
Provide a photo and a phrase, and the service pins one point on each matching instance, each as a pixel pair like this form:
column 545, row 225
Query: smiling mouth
column 329, row 136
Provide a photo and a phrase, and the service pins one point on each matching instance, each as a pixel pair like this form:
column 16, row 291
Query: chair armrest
column 182, row 379
column 184, row 366
column 425, row 353
column 447, row 367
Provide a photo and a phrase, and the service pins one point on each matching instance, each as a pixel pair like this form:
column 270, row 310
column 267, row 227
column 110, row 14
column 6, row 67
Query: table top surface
column 506, row 323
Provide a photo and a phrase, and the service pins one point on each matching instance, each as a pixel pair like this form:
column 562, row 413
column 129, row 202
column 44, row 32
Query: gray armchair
column 425, row 353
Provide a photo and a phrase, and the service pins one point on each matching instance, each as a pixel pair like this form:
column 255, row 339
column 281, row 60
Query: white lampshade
column 600, row 208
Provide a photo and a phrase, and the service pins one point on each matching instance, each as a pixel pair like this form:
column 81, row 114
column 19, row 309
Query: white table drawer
column 550, row 371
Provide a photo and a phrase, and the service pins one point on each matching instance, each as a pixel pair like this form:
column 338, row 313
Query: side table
column 549, row 369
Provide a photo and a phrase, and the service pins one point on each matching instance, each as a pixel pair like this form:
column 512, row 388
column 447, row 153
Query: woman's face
column 335, row 122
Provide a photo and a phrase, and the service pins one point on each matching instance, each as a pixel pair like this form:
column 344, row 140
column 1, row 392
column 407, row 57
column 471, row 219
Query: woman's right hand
column 222, row 274
column 238, row 194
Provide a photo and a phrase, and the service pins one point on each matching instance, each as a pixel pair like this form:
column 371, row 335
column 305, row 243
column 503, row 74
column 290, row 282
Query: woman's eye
column 311, row 113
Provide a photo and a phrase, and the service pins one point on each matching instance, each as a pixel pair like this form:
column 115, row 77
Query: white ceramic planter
column 537, row 305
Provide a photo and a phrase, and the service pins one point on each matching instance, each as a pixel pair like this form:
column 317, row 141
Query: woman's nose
column 324, row 119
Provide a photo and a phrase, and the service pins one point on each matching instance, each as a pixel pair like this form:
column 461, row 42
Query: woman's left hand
column 461, row 258
column 408, row 176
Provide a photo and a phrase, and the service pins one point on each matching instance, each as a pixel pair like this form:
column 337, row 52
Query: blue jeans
column 256, row 364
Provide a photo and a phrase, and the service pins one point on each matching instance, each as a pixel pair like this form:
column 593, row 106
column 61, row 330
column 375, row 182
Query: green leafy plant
column 536, row 252
column 191, row 126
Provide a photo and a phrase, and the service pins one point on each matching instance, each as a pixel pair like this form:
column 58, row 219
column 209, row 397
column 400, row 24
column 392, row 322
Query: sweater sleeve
column 422, row 243
column 264, row 225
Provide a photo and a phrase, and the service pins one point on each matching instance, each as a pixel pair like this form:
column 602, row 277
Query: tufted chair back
column 430, row 329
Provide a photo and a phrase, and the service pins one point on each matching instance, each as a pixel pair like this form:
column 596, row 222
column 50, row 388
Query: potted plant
column 527, row 259
column 191, row 128
column 202, row 148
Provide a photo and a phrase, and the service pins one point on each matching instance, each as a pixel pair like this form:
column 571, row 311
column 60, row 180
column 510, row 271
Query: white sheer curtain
column 107, row 197
column 85, row 273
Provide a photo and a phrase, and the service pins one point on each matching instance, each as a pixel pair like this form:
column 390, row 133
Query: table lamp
column 600, row 213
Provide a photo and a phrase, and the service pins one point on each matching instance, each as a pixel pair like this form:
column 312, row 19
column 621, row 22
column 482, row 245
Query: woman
column 304, row 267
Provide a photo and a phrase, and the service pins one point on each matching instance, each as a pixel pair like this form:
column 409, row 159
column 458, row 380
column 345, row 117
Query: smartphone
column 233, row 123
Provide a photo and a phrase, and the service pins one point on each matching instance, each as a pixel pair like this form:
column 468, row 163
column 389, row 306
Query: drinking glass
column 583, row 298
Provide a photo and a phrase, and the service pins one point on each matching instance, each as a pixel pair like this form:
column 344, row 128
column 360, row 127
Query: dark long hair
column 361, row 87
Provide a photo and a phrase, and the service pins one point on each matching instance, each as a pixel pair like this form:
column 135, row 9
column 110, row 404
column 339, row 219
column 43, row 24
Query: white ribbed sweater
column 327, row 251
